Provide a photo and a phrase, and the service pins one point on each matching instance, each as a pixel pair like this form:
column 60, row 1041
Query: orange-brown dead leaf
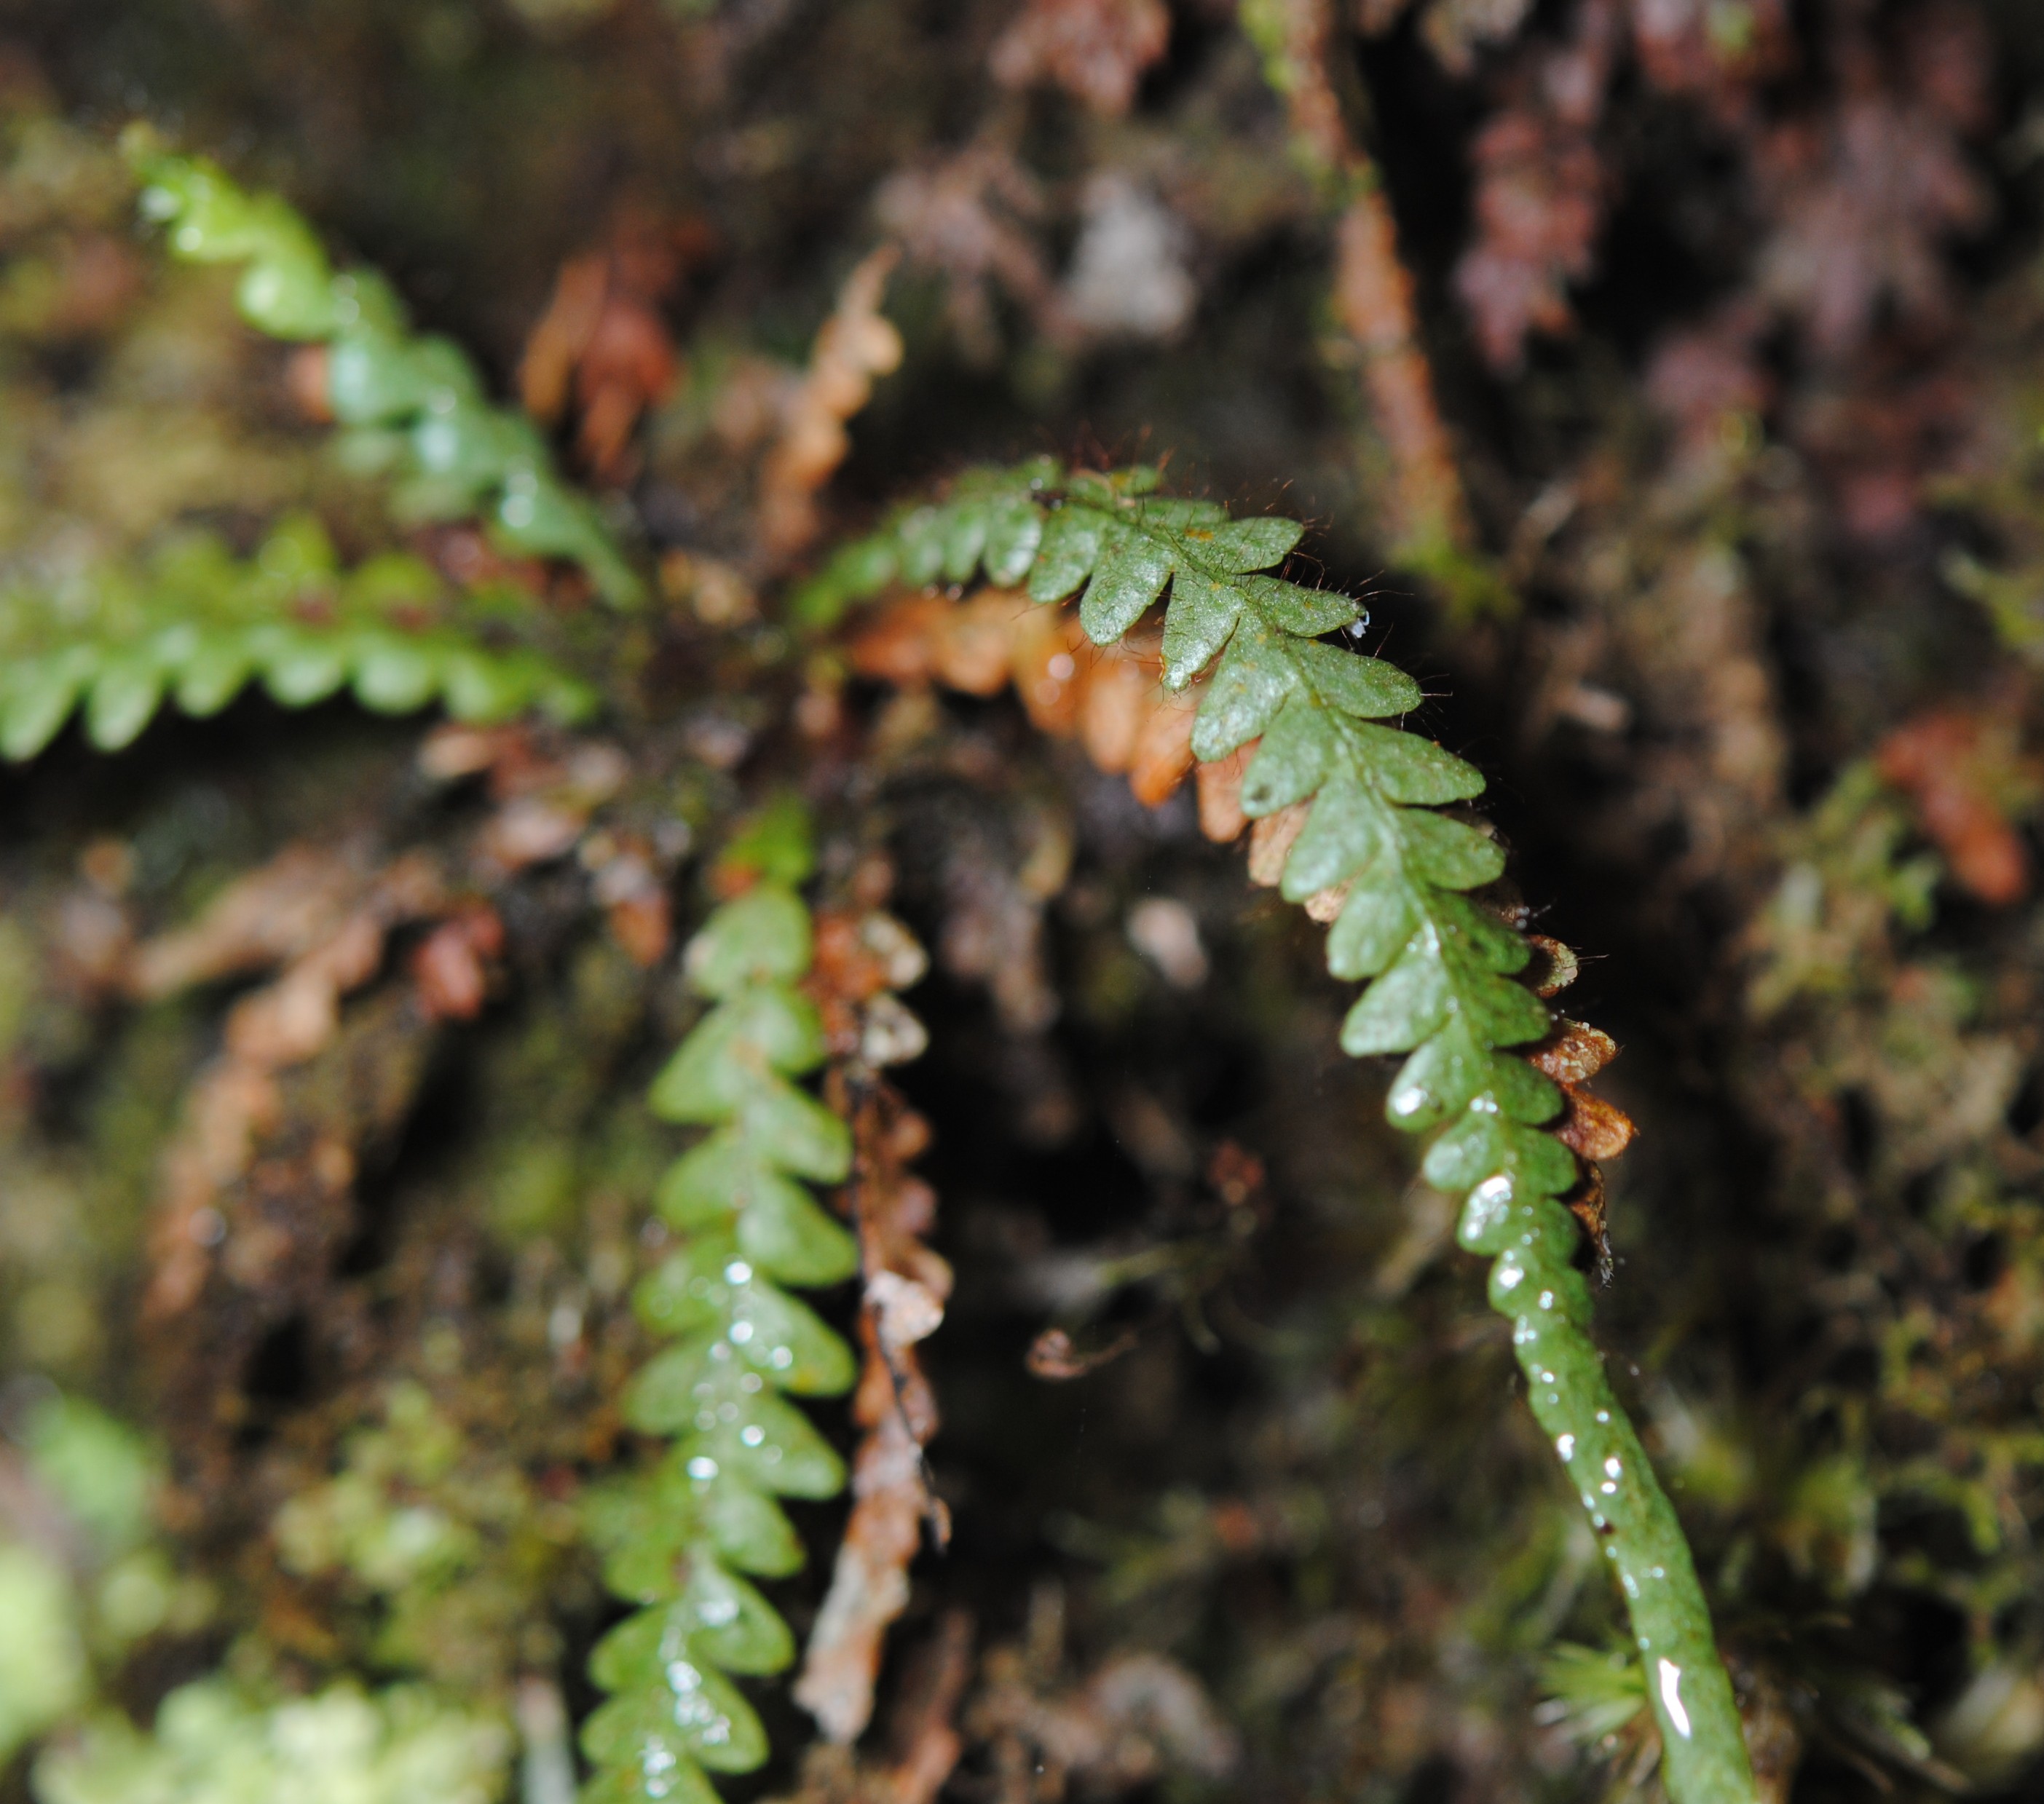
column 1115, row 707
column 451, row 965
column 1591, row 1128
column 1163, row 755
column 1221, row 818
column 1573, row 1054
column 972, row 650
column 322, row 913
column 602, row 342
column 1964, row 776
column 1270, row 843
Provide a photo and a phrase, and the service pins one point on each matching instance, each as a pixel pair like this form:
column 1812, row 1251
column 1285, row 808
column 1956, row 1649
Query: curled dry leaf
column 1055, row 1356
column 1592, row 1129
column 1220, row 786
column 1574, row 1053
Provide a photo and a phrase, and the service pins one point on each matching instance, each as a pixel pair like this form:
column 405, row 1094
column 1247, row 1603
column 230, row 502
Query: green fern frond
column 680, row 1536
column 196, row 626
column 414, row 404
column 1443, row 968
column 211, row 1742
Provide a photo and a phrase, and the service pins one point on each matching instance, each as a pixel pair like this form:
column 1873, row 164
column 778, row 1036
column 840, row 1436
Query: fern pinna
column 680, row 1535
column 196, row 626
column 1444, row 970
column 412, row 405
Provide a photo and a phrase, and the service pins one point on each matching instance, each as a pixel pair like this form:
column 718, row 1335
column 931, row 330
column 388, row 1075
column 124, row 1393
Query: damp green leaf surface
column 195, row 626
column 1443, row 991
column 680, row 1535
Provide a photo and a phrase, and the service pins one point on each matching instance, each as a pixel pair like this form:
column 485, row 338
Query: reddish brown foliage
column 906, row 1287
column 324, row 915
column 1540, row 193
column 1960, row 774
column 451, row 966
column 1113, row 700
column 602, row 342
column 1096, row 50
column 1591, row 1128
column 1864, row 195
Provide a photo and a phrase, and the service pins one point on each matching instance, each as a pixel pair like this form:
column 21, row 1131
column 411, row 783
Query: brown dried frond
column 320, row 917
column 1096, row 50
column 856, row 343
column 1593, row 1130
column 322, row 913
column 451, row 965
column 924, row 1740
column 1113, row 701
column 861, row 957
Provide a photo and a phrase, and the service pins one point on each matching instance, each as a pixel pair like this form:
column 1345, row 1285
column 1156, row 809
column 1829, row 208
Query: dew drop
column 1671, row 1697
